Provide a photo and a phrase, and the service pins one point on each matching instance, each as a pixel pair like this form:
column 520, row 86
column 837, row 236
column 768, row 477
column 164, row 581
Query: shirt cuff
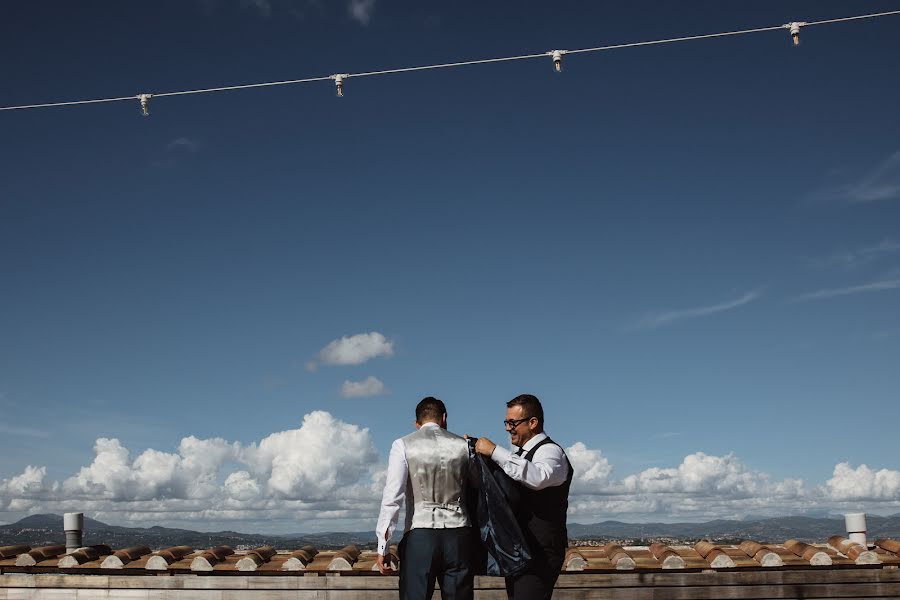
column 382, row 546
column 500, row 455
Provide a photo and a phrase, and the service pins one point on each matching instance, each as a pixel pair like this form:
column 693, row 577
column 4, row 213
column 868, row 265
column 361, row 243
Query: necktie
column 520, row 452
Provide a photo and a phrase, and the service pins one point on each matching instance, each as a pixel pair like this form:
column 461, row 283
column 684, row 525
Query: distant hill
column 763, row 530
column 38, row 530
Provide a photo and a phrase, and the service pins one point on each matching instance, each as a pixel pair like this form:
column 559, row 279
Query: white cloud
column 28, row 483
column 314, row 461
column 326, row 474
column 876, row 286
column 863, row 483
column 361, row 10
column 662, row 318
column 240, row 485
column 175, row 153
column 703, row 486
column 192, row 473
column 23, row 431
column 882, row 183
column 850, row 259
column 589, row 508
column 356, row 349
column 700, row 473
column 184, row 143
column 308, row 463
column 21, row 491
column 108, row 475
column 313, row 474
column 370, row 386
column 592, row 469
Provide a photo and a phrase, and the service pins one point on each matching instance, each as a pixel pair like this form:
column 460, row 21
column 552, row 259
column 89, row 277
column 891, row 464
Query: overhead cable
column 555, row 55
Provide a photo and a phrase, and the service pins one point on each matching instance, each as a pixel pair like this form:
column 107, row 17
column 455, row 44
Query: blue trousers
column 428, row 555
column 538, row 580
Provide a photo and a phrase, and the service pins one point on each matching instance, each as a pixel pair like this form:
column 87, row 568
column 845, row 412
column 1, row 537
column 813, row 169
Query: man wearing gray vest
column 430, row 470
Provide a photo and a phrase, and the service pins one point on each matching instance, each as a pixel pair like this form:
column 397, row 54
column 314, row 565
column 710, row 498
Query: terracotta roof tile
column 793, row 554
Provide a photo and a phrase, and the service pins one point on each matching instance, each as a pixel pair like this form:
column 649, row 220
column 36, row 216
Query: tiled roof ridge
column 837, row 553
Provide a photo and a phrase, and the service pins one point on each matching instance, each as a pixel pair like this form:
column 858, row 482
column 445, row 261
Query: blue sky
column 689, row 252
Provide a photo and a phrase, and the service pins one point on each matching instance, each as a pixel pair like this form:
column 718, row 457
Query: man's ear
column 417, row 424
column 444, row 421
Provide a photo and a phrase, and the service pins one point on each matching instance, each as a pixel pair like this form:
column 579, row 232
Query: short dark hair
column 531, row 406
column 430, row 409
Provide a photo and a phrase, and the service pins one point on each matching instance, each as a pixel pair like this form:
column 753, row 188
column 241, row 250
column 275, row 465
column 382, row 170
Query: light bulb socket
column 145, row 103
column 339, row 84
column 794, row 27
column 557, row 55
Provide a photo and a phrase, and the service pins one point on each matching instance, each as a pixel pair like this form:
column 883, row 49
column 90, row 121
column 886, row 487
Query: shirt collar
column 534, row 441
column 430, row 424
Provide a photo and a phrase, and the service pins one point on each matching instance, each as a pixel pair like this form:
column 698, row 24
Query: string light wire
column 542, row 55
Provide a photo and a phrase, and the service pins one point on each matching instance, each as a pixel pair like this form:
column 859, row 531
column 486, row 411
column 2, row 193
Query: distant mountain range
column 762, row 530
column 38, row 530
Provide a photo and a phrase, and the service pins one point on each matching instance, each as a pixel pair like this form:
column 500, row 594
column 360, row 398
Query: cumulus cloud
column 324, row 473
column 313, row 461
column 863, row 483
column 370, row 386
column 31, row 482
column 361, row 11
column 594, row 507
column 356, row 349
column 240, row 485
column 307, row 464
column 703, row 486
column 20, row 492
column 191, row 473
column 592, row 469
column 658, row 319
column 327, row 474
column 700, row 473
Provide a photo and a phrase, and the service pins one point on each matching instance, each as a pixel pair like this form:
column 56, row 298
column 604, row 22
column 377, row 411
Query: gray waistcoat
column 438, row 469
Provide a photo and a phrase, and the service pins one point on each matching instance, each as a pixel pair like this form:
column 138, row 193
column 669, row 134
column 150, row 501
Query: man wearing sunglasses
column 544, row 475
column 429, row 472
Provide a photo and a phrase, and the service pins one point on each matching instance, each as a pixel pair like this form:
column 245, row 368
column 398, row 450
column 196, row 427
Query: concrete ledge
column 768, row 583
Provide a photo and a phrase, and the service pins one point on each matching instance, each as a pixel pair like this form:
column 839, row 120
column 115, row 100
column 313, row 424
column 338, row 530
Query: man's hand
column 485, row 446
column 384, row 569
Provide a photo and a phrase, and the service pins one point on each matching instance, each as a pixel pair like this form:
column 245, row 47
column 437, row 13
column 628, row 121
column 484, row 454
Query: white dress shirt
column 395, row 494
column 548, row 468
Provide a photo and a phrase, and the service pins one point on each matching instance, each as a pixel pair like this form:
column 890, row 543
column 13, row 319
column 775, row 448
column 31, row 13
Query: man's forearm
column 537, row 474
column 393, row 496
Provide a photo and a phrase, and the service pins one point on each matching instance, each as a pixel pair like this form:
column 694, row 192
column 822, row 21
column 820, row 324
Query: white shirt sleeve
column 394, row 495
column 548, row 469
